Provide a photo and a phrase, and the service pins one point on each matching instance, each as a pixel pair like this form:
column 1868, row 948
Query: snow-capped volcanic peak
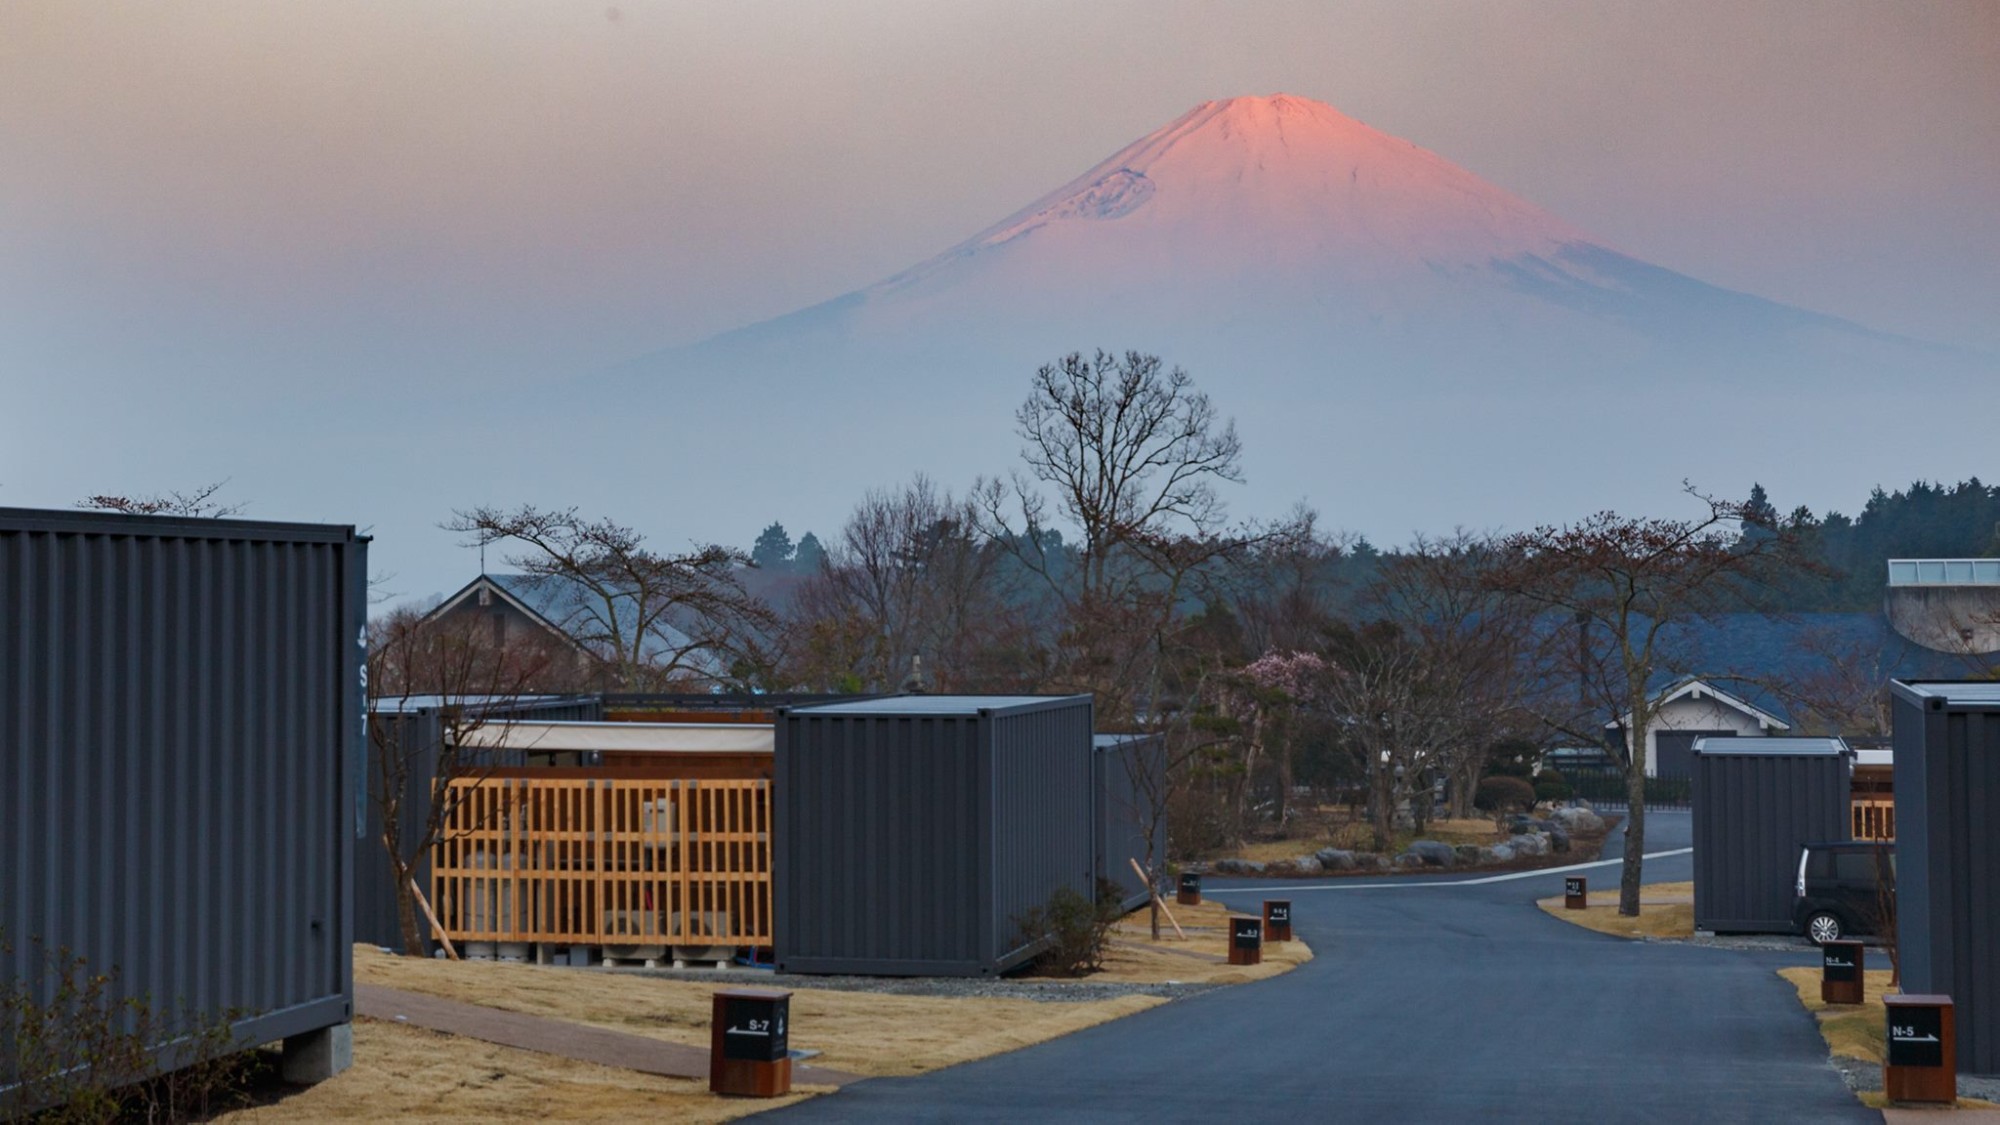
column 1286, row 182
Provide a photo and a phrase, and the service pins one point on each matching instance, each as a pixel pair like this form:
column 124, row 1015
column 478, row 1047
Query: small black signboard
column 754, row 1026
column 1916, row 1036
column 1190, row 883
column 1839, row 961
column 1246, row 933
column 1280, row 911
column 1572, row 886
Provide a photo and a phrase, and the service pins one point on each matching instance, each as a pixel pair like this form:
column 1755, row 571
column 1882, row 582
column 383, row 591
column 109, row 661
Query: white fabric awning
column 656, row 738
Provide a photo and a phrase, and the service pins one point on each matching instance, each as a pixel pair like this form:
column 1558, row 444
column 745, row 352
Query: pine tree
column 810, row 554
column 774, row 547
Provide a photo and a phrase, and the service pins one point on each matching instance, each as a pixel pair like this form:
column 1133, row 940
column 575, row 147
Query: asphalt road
column 1427, row 1000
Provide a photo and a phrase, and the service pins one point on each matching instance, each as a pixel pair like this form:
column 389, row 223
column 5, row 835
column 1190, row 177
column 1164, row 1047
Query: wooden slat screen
column 1875, row 820
column 613, row 861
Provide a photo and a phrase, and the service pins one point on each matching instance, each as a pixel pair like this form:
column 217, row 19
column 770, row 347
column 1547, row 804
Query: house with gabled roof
column 1689, row 709
column 588, row 627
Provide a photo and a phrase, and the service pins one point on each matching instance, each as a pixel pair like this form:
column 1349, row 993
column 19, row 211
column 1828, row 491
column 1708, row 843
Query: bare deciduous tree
column 909, row 578
column 199, row 503
column 653, row 620
column 1132, row 454
column 465, row 682
column 1634, row 582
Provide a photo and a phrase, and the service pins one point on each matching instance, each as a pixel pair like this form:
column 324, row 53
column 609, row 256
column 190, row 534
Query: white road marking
column 1365, row 884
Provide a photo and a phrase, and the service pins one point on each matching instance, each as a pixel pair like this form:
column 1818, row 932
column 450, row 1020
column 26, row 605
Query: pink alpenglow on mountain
column 1384, row 325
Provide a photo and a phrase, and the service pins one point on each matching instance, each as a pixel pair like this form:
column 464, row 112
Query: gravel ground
column 1047, row 991
column 1867, row 1076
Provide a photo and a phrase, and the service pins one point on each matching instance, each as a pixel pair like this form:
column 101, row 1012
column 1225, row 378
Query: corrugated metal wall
column 1947, row 741
column 180, row 743
column 415, row 734
column 1753, row 812
column 1131, row 774
column 1044, row 817
column 908, row 844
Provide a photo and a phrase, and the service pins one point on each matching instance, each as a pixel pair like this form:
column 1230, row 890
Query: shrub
column 1551, row 786
column 1503, row 794
column 1075, row 930
column 78, row 1051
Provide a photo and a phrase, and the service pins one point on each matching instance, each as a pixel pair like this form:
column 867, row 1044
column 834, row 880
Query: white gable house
column 1689, row 710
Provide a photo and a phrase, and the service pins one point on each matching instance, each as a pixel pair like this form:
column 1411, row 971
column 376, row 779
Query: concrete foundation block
column 318, row 1055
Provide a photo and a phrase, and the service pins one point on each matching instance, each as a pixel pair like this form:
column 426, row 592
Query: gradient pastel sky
column 263, row 219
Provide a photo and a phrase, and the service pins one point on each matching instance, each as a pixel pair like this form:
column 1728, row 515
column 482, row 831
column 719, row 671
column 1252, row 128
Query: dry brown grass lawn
column 410, row 1074
column 860, row 1032
column 1665, row 910
column 1203, row 957
column 1855, row 1031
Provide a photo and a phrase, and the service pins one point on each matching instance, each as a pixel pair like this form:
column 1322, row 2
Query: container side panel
column 171, row 750
column 1043, row 817
column 1913, row 843
column 1753, row 814
column 876, row 819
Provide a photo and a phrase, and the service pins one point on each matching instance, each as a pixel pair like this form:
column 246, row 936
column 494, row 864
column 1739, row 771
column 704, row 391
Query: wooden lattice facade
column 605, row 861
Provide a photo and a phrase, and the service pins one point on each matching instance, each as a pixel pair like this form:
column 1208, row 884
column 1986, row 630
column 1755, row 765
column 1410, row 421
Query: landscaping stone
column 1467, row 853
column 1558, row 839
column 1498, row 853
column 1530, row 843
column 1433, row 853
column 1238, row 867
column 1307, row 865
column 1335, row 859
column 1409, row 859
column 1578, row 820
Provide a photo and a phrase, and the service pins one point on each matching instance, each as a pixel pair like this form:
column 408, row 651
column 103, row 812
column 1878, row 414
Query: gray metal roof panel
column 1767, row 746
column 933, row 704
column 1957, row 693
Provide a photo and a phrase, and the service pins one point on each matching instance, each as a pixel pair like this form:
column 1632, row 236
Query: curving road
column 1428, row 1000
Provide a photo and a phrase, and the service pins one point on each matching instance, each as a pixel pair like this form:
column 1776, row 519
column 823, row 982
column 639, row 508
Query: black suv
column 1846, row 889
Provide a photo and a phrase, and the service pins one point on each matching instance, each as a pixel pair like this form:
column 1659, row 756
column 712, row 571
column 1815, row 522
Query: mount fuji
column 1400, row 341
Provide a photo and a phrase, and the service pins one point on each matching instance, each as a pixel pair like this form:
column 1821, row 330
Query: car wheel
column 1823, row 927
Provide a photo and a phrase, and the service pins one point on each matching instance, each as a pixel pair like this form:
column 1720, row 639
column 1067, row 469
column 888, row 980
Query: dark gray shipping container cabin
column 180, row 754
column 1948, row 854
column 1757, row 803
column 412, row 727
column 912, row 833
column 1131, row 778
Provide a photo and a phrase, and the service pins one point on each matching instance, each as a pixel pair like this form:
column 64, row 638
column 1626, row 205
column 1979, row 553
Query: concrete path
column 1428, row 1000
column 556, row 1037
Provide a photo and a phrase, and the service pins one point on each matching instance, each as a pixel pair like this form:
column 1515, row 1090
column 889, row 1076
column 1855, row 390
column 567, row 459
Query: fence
column 1604, row 784
column 1874, row 820
column 605, row 862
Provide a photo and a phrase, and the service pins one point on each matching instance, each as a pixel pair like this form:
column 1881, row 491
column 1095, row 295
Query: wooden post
column 1189, row 893
column 424, row 904
column 1923, row 1050
column 1157, row 900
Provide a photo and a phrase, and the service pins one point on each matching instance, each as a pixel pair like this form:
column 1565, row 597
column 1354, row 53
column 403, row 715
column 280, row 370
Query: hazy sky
column 284, row 222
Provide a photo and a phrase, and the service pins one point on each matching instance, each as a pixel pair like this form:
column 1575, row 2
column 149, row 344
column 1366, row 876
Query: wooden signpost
column 1190, row 889
column 749, row 1046
column 1576, row 892
column 1246, row 940
column 1923, row 1050
column 1841, row 965
column 1277, row 919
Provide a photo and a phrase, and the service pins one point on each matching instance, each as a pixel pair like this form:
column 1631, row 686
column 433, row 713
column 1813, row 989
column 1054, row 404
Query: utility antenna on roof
column 482, row 558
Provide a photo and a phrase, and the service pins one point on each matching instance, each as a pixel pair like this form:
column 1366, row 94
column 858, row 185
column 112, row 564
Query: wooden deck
column 605, row 861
